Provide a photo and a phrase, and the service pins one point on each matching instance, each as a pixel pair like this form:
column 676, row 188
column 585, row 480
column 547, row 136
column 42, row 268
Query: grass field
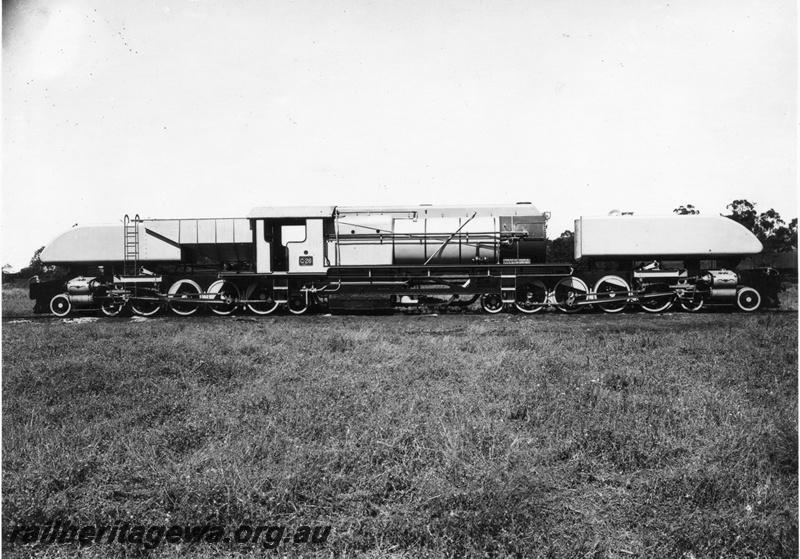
column 454, row 435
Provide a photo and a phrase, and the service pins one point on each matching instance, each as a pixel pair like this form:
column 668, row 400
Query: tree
column 784, row 238
column 769, row 222
column 743, row 212
column 36, row 267
column 686, row 210
column 768, row 226
column 561, row 249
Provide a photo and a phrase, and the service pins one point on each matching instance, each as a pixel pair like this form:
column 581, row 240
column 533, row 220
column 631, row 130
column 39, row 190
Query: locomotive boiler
column 339, row 258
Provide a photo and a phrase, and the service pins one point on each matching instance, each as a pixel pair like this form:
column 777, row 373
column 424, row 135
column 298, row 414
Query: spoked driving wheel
column 149, row 305
column 227, row 293
column 568, row 292
column 614, row 288
column 492, row 303
column 261, row 293
column 110, row 307
column 184, row 289
column 531, row 297
column 692, row 305
column 656, row 299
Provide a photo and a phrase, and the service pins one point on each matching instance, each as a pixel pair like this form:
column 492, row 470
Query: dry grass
column 559, row 436
column 15, row 302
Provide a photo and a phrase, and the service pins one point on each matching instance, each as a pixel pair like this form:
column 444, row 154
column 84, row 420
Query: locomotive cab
column 290, row 240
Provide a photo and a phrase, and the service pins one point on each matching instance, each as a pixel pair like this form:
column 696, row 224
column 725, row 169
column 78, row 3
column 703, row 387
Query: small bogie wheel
column 748, row 299
column 223, row 290
column 110, row 307
column 492, row 303
column 531, row 297
column 297, row 304
column 567, row 292
column 692, row 305
column 145, row 307
column 612, row 287
column 262, row 292
column 184, row 289
column 60, row 305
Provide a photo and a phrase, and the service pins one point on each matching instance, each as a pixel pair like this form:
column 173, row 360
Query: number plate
column 306, row 260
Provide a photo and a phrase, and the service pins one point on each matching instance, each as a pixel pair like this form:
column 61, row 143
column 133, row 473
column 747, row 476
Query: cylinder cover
column 723, row 279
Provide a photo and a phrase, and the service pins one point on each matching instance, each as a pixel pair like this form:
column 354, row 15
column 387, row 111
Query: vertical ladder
column 280, row 290
column 508, row 287
column 131, row 245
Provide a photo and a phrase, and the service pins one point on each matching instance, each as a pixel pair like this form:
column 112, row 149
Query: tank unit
column 665, row 237
column 160, row 241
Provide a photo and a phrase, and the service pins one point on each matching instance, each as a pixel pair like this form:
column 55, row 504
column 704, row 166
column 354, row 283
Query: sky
column 199, row 108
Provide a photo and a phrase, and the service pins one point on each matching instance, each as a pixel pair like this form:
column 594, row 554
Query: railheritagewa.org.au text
column 151, row 536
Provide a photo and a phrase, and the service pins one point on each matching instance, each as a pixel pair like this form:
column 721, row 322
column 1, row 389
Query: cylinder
column 717, row 294
column 81, row 300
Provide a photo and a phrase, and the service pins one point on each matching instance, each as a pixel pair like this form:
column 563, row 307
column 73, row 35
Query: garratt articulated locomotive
column 365, row 258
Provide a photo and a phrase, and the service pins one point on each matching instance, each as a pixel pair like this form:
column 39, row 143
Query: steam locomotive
column 380, row 258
